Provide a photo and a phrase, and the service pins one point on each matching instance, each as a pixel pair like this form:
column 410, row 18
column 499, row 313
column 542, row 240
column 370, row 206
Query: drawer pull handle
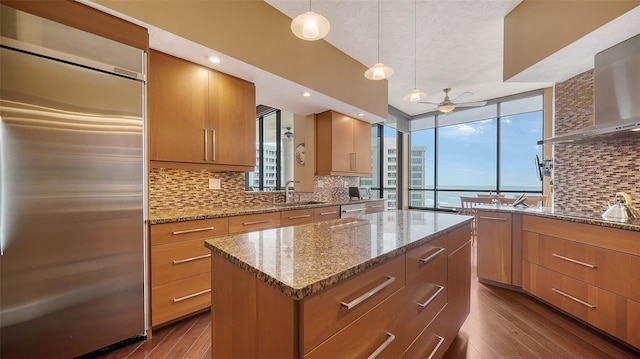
column 592, row 266
column 432, row 257
column 574, row 298
column 327, row 213
column 256, row 222
column 206, row 145
column 435, row 350
column 176, row 300
column 194, row 230
column 494, row 218
column 300, row 216
column 440, row 289
column 376, row 206
column 352, row 210
column 191, row 259
column 370, row 293
column 383, row 346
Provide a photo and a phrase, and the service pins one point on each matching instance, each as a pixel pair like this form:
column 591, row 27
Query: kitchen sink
column 304, row 203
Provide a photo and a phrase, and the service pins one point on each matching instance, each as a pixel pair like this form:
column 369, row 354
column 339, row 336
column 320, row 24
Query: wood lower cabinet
column 590, row 272
column 494, row 246
column 199, row 116
column 254, row 222
column 326, row 213
column 343, row 145
column 180, row 268
column 408, row 306
column 297, row 216
column 374, row 206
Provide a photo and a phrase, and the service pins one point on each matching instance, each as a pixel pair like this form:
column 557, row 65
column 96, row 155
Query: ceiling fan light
column 310, row 26
column 415, row 95
column 446, row 108
column 378, row 72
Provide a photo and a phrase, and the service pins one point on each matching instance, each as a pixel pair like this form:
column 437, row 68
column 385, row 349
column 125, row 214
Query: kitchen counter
column 170, row 216
column 577, row 217
column 302, row 260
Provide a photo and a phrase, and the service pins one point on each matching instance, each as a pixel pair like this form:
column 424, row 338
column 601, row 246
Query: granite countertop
column 578, row 217
column 191, row 214
column 302, row 260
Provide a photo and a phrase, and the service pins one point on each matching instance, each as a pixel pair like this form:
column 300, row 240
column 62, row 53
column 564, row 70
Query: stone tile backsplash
column 176, row 189
column 587, row 176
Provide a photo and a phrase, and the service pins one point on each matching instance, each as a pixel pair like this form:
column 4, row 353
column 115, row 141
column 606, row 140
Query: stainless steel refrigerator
column 72, row 267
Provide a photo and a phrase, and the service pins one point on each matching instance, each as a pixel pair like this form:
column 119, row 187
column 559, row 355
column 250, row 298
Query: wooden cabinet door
column 494, row 246
column 178, row 110
column 342, row 157
column 232, row 127
column 362, row 146
column 459, row 286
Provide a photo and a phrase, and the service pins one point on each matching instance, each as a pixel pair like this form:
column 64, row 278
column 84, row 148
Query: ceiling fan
column 288, row 134
column 448, row 105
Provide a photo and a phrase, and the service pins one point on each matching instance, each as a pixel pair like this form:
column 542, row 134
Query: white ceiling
column 459, row 45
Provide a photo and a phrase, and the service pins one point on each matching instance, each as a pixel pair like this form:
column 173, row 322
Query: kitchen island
column 391, row 284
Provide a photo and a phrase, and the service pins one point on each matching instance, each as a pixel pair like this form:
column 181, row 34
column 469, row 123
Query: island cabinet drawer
column 326, row 213
column 179, row 298
column 179, row 260
column 379, row 334
column 432, row 341
column 325, row 313
column 608, row 269
column 607, row 311
column 254, row 222
column 182, row 231
column 428, row 262
column 458, row 238
column 295, row 217
column 374, row 207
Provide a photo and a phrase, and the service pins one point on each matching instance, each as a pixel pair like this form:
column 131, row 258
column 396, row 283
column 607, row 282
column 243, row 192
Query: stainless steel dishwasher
column 352, row 210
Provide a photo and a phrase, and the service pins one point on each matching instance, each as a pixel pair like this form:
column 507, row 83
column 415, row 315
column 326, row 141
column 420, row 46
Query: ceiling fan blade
column 430, row 103
column 471, row 104
column 462, row 96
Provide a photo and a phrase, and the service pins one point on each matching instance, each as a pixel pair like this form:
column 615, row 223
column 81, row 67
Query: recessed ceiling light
column 361, row 114
column 306, row 94
column 215, row 60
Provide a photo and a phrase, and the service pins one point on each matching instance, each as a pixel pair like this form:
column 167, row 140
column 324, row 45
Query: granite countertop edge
column 160, row 218
column 301, row 293
column 576, row 218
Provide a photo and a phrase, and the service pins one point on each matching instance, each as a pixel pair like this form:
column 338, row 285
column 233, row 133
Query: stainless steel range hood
column 617, row 96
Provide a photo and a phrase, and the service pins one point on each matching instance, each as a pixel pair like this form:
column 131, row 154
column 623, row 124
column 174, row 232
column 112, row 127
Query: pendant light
column 415, row 95
column 379, row 71
column 310, row 26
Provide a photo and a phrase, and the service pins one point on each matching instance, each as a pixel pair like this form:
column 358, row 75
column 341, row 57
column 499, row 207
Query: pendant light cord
column 415, row 44
column 378, row 34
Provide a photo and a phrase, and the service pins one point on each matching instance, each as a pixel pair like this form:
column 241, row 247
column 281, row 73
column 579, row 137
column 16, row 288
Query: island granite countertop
column 302, row 260
column 192, row 214
column 577, row 217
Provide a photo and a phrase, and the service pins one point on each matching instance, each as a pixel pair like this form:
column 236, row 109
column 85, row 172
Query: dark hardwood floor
column 502, row 324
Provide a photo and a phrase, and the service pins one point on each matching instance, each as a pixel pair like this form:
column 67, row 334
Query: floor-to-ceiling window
column 274, row 151
column 490, row 149
column 384, row 174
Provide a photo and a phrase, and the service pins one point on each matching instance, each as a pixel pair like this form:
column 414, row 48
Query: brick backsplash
column 587, row 176
column 176, row 189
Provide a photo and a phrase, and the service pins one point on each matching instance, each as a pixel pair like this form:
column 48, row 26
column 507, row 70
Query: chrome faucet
column 287, row 193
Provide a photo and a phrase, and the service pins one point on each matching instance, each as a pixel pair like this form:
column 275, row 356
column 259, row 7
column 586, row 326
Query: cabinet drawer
column 600, row 308
column 374, row 207
column 326, row 313
column 326, row 213
column 179, row 260
column 425, row 262
column 427, row 290
column 379, row 331
column 182, row 231
column 432, row 342
column 179, row 298
column 253, row 222
column 295, row 217
column 611, row 270
column 458, row 238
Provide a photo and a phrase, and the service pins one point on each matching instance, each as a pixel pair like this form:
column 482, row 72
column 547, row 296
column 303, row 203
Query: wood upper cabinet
column 343, row 145
column 199, row 116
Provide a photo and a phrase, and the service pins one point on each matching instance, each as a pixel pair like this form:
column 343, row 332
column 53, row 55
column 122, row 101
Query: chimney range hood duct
column 617, row 96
